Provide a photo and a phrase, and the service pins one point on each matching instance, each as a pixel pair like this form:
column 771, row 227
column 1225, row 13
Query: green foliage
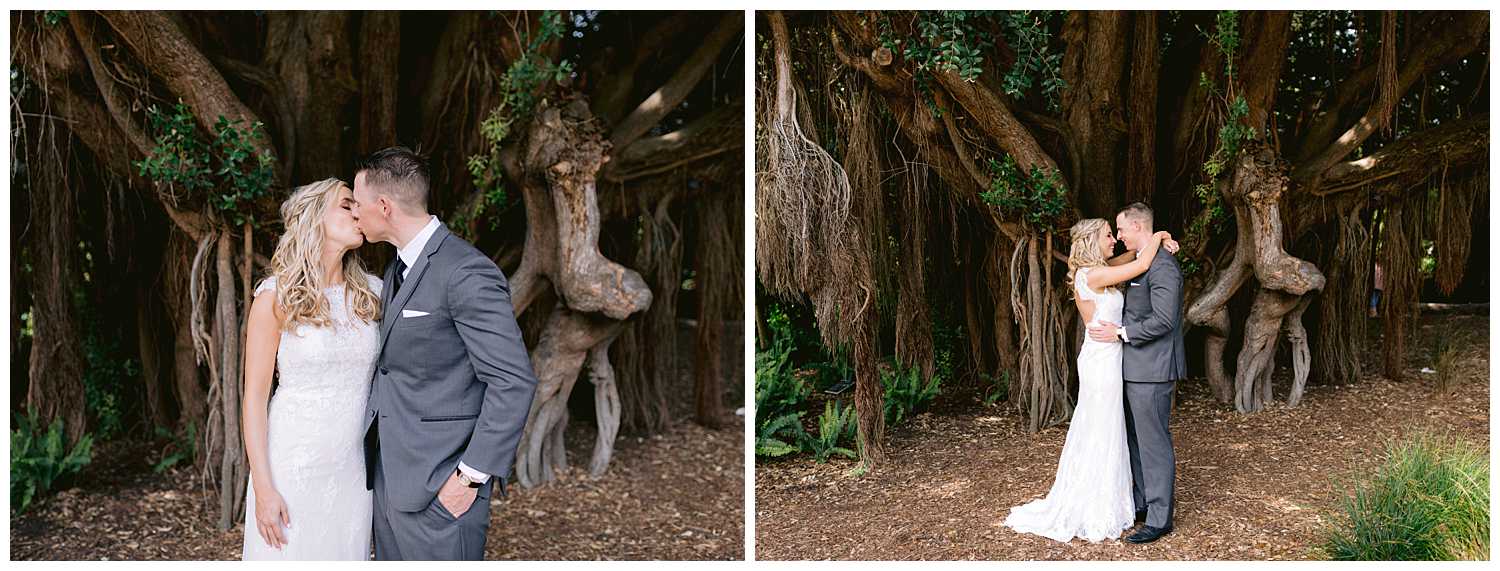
column 1427, row 263
column 836, row 367
column 777, row 389
column 1233, row 134
column 947, row 334
column 1427, row 500
column 781, row 436
column 225, row 165
column 39, row 460
column 905, row 392
column 54, row 17
column 107, row 368
column 1037, row 197
column 996, row 388
column 946, row 41
column 835, row 424
column 518, row 100
column 1026, row 31
column 951, row 40
column 181, row 449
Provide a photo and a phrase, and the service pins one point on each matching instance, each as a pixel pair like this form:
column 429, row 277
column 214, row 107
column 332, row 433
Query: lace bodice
column 1109, row 304
column 328, row 362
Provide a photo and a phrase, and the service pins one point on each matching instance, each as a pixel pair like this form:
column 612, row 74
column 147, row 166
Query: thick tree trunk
column 718, row 274
column 556, row 169
column 1254, row 191
column 309, row 54
column 379, row 79
column 1092, row 103
column 55, row 387
column 1140, row 159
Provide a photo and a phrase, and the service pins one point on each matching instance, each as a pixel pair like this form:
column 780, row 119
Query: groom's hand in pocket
column 455, row 496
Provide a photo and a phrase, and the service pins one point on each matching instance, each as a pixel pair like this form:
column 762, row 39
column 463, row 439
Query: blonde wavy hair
column 296, row 265
column 1084, row 253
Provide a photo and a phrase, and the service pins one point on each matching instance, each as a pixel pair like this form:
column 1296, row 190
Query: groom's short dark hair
column 1139, row 212
column 399, row 172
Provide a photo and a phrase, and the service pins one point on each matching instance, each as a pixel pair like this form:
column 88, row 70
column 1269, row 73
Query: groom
column 1154, row 360
column 453, row 382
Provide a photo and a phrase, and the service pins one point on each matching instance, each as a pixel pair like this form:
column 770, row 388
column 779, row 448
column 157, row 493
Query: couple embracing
column 400, row 401
column 1117, row 468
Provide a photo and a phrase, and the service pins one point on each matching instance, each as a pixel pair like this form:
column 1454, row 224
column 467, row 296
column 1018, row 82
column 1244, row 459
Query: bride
column 314, row 320
column 1090, row 496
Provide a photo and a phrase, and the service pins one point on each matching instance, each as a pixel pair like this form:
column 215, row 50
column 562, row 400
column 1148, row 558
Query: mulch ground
column 679, row 495
column 1249, row 487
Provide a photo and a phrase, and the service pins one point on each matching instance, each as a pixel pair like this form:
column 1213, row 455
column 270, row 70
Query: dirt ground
column 1249, row 487
column 676, row 496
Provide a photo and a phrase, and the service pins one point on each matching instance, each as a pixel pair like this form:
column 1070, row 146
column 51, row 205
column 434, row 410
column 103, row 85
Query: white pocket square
column 1133, row 284
column 412, row 313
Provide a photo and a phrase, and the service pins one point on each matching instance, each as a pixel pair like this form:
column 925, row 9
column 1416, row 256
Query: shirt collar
column 414, row 247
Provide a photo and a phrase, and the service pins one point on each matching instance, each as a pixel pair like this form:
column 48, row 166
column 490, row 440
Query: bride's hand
column 270, row 515
column 1171, row 245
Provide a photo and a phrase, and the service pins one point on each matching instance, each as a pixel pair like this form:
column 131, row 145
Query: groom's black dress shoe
column 1148, row 534
column 1140, row 516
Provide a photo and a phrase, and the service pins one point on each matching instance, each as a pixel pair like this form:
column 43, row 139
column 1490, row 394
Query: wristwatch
column 466, row 480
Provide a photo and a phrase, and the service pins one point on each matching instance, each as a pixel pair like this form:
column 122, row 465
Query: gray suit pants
column 1153, row 466
column 432, row 534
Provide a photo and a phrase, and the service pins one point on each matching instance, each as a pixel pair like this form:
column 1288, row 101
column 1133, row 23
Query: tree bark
column 1140, row 159
column 1093, row 67
column 379, row 79
column 232, row 469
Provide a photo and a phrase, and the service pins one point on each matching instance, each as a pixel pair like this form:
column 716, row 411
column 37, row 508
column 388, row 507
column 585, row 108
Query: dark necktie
column 398, row 278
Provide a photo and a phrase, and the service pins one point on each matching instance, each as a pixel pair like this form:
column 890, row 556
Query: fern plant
column 833, row 426
column 781, row 436
column 38, row 460
column 905, row 392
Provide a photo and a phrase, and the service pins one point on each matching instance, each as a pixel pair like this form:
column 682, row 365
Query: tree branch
column 670, row 95
column 164, row 50
column 1466, row 36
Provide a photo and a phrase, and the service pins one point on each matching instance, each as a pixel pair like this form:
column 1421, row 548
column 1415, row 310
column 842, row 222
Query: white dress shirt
column 408, row 255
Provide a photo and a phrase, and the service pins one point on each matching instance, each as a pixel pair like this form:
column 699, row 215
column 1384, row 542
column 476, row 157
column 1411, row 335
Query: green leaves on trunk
column 223, row 166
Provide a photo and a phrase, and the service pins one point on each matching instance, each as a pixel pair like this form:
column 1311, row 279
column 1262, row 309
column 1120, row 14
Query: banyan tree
column 597, row 156
column 936, row 160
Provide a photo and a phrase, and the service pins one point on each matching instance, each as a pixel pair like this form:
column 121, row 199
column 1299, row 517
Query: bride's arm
column 1105, row 276
column 1121, row 259
column 262, row 339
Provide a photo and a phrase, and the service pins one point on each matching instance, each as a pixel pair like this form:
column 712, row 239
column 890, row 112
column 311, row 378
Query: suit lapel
column 385, row 293
column 413, row 280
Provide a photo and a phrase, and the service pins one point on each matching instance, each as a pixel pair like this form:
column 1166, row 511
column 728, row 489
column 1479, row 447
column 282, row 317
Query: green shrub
column 777, row 389
column 905, row 392
column 781, row 436
column 1427, row 500
column 834, row 425
column 996, row 388
column 183, row 447
column 38, row 460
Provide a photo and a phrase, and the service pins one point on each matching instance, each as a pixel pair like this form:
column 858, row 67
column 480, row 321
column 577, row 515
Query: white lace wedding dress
column 1090, row 497
column 314, row 438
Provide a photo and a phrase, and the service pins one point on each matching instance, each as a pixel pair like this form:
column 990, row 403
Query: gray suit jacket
column 1153, row 323
column 455, row 384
